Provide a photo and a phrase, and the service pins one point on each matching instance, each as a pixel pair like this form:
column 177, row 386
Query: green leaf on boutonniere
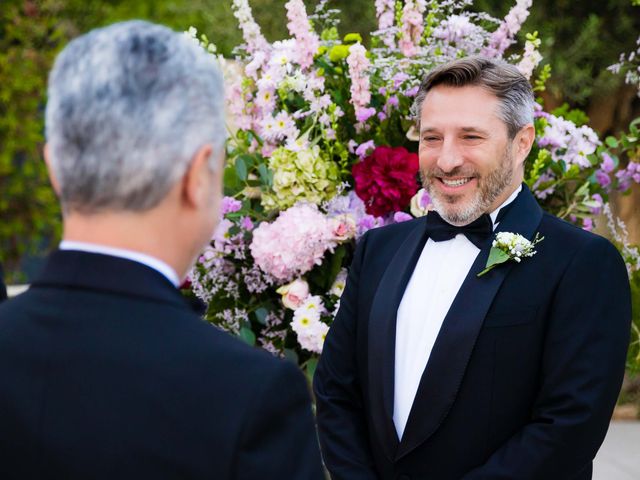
column 496, row 257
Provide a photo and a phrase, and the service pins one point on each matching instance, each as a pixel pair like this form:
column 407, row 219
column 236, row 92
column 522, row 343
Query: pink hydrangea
column 307, row 235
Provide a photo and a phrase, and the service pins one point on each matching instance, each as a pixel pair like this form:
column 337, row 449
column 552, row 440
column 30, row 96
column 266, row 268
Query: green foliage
column 29, row 39
column 574, row 115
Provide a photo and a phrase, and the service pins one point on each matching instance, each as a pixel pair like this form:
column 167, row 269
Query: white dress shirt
column 436, row 279
column 145, row 259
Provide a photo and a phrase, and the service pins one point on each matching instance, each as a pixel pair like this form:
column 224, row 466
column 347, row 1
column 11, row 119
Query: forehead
column 468, row 106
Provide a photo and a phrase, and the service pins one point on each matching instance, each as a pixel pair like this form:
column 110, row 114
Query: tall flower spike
column 358, row 66
column 412, row 26
column 385, row 12
column 503, row 37
column 300, row 28
column 250, row 29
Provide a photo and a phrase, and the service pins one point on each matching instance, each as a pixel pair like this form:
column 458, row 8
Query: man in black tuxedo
column 3, row 288
column 105, row 371
column 433, row 372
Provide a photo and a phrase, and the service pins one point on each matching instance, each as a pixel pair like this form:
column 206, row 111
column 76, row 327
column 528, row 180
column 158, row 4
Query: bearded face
column 467, row 160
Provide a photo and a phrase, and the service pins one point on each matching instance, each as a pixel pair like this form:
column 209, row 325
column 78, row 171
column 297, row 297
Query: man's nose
column 450, row 157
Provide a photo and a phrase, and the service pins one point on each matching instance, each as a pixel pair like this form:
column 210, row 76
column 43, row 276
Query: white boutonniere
column 510, row 246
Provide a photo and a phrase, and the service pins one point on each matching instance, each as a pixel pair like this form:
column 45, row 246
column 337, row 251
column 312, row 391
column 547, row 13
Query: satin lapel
column 445, row 369
column 382, row 335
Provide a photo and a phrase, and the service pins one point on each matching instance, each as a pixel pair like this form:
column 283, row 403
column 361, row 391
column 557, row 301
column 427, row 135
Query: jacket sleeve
column 278, row 438
column 583, row 366
column 340, row 413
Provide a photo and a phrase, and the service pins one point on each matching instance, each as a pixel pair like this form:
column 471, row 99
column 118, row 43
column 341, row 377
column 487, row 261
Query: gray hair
column 498, row 77
column 129, row 105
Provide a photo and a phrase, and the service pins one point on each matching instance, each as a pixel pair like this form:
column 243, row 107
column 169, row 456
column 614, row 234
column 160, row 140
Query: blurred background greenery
column 580, row 39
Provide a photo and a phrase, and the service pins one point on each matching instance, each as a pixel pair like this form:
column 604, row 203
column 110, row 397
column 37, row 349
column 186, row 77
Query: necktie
column 477, row 232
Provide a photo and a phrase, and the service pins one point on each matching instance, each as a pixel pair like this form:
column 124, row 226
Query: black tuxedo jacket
column 523, row 376
column 106, row 373
column 3, row 288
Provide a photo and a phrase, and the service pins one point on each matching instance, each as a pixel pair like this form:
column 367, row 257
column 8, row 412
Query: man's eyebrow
column 464, row 129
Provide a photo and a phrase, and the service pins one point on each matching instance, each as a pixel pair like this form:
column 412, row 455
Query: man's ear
column 524, row 141
column 52, row 175
column 196, row 180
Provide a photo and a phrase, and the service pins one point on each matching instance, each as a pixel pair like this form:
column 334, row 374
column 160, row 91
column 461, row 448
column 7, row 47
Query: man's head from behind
column 135, row 131
column 475, row 117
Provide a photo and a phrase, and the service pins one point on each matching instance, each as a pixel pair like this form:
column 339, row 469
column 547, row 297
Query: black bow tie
column 477, row 232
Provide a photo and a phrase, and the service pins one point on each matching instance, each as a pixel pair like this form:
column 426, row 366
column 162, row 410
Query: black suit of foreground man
column 105, row 372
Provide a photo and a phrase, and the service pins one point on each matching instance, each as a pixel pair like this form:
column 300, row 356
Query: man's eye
column 430, row 139
column 472, row 137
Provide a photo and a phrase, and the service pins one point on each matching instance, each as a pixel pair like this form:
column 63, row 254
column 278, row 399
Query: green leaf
column 263, row 171
column 261, row 315
column 310, row 369
column 291, row 355
column 241, row 168
column 496, row 256
column 247, row 335
column 612, row 142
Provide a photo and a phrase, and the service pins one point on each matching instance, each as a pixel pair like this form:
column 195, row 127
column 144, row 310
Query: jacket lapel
column 445, row 369
column 382, row 334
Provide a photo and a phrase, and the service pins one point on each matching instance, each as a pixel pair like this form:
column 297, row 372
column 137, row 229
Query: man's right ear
column 52, row 175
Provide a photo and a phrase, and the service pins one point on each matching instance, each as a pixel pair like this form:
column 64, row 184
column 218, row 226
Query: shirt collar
column 143, row 258
column 511, row 198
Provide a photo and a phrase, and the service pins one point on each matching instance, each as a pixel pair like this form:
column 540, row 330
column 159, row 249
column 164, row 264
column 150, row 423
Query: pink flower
column 503, row 37
column 358, row 66
column 250, row 29
column 607, row 165
column 294, row 294
column 307, row 234
column 299, row 27
column 385, row 12
column 364, row 114
column 386, row 180
column 365, row 148
column 603, row 178
column 230, row 205
column 343, row 228
column 412, row 26
column 400, row 217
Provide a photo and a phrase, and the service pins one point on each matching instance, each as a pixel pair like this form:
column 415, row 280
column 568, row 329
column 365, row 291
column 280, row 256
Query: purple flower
column 587, row 224
column 393, row 101
column 607, row 164
column 364, row 114
column 399, row 78
column 246, row 223
column 364, row 148
column 400, row 217
column 598, row 199
column 230, row 205
column 382, row 116
column 603, row 178
column 412, row 92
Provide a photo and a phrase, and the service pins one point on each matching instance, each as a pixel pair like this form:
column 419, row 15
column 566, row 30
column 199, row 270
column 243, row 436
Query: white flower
column 339, row 283
column 294, row 293
column 510, row 246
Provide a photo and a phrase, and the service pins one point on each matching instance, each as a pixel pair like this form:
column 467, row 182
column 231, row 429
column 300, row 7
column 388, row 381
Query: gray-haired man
column 104, row 370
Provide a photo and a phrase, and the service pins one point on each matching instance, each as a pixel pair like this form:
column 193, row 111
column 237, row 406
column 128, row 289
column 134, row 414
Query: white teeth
column 456, row 183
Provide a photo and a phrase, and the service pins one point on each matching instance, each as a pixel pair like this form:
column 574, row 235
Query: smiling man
column 432, row 371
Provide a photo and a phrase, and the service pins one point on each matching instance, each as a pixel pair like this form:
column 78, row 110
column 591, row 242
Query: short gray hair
column 498, row 77
column 129, row 105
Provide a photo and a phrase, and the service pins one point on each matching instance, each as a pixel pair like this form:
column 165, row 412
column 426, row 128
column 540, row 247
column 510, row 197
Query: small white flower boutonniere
column 510, row 246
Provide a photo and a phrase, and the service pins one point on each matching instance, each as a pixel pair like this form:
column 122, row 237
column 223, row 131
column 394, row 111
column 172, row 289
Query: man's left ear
column 196, row 180
column 524, row 141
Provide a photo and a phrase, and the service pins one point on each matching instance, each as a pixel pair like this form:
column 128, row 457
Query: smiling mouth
column 458, row 182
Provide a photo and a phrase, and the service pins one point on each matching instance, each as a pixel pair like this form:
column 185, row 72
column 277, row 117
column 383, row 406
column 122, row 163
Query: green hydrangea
column 306, row 175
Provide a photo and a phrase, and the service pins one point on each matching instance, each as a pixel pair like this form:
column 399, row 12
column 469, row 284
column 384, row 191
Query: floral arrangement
column 323, row 149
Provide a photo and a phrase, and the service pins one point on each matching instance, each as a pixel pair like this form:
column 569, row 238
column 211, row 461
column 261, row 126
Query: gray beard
column 490, row 188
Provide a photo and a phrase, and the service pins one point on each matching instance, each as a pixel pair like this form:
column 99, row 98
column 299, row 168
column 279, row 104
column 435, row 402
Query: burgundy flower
column 386, row 180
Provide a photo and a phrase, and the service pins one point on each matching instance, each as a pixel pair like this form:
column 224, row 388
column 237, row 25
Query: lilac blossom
column 504, row 36
column 385, row 13
column 230, row 205
column 250, row 30
column 412, row 26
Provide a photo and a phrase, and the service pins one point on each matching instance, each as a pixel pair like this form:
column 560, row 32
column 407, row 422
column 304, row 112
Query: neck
column 139, row 232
